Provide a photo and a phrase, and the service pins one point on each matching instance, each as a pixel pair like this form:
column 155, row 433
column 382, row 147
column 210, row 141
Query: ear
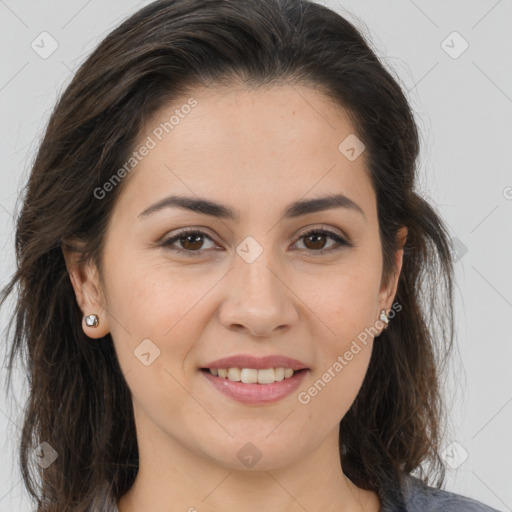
column 388, row 292
column 89, row 294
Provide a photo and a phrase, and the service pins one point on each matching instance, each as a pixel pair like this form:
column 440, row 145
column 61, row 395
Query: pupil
column 318, row 237
column 194, row 239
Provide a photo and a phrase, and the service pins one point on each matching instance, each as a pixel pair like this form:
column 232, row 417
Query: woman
column 219, row 226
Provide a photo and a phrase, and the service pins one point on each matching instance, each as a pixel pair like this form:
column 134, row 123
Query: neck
column 179, row 479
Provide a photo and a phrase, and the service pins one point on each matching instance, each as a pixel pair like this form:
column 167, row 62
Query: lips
column 257, row 363
column 256, row 394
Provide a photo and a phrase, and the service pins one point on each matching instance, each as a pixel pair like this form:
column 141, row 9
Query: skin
column 256, row 151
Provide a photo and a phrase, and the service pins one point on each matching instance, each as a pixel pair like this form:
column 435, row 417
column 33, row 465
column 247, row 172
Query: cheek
column 163, row 304
column 346, row 307
column 152, row 299
column 345, row 301
column 152, row 331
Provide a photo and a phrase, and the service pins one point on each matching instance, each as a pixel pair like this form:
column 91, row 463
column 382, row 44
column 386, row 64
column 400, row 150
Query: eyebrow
column 214, row 209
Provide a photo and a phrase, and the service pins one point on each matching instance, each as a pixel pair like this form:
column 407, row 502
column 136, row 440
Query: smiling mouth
column 252, row 375
column 253, row 388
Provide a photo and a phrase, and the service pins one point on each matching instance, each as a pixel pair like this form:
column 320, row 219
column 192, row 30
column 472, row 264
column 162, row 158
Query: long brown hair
column 78, row 400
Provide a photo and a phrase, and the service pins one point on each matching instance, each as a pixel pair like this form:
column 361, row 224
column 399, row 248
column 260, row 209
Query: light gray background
column 463, row 106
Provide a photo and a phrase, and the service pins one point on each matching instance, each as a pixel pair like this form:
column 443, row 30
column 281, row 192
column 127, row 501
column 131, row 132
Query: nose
column 258, row 297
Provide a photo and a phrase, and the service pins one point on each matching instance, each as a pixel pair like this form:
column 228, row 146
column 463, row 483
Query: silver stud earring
column 384, row 318
column 92, row 320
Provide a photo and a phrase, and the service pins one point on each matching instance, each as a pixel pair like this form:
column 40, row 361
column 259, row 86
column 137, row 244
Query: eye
column 192, row 241
column 315, row 239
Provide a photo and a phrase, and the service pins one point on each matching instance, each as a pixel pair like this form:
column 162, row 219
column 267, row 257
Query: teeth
column 234, row 374
column 279, row 373
column 253, row 376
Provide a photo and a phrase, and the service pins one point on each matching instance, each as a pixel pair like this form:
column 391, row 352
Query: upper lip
column 258, row 363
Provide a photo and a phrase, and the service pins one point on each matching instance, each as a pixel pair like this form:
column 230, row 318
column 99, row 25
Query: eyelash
column 340, row 241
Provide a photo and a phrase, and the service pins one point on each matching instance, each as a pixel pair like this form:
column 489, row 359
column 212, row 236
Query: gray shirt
column 414, row 496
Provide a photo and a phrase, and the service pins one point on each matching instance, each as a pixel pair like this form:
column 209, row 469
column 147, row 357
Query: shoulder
column 422, row 498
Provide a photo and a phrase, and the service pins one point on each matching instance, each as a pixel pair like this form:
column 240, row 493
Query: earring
column 92, row 320
column 384, row 318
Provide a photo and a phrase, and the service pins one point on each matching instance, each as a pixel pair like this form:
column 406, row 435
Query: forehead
column 275, row 143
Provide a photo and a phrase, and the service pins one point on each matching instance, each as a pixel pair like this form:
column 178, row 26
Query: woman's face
column 248, row 284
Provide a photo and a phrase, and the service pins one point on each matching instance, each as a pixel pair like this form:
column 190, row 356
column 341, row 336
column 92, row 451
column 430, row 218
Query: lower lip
column 256, row 394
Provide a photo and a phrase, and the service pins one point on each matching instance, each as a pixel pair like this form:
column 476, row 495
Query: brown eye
column 191, row 242
column 315, row 239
